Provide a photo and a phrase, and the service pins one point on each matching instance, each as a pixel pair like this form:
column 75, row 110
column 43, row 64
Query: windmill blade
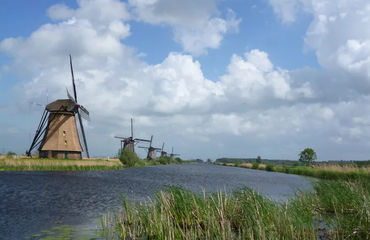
column 132, row 129
column 83, row 134
column 151, row 140
column 141, row 140
column 121, row 137
column 162, row 147
column 143, row 147
column 73, row 78
column 84, row 113
column 70, row 97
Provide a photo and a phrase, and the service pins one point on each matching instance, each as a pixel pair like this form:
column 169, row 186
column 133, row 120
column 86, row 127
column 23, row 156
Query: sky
column 212, row 78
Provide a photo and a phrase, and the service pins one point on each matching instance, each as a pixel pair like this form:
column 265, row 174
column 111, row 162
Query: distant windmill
column 163, row 153
column 173, row 154
column 57, row 134
column 129, row 142
column 151, row 150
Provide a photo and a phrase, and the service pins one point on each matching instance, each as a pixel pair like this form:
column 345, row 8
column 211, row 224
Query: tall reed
column 342, row 207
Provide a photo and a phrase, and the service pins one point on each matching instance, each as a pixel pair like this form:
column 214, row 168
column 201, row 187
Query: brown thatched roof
column 61, row 105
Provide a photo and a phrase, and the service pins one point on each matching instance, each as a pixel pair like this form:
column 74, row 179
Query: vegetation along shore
column 337, row 209
column 127, row 159
column 323, row 170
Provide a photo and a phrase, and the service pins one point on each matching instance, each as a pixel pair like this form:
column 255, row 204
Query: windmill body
column 57, row 134
column 172, row 155
column 61, row 138
column 152, row 153
column 163, row 153
column 128, row 143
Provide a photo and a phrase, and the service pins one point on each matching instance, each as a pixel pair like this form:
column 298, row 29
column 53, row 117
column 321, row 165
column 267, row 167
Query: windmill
column 173, row 154
column 163, row 153
column 57, row 134
column 151, row 150
column 129, row 142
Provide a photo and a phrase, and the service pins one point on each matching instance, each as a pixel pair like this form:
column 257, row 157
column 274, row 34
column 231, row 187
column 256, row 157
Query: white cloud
column 196, row 24
column 285, row 9
column 255, row 103
column 339, row 33
column 255, row 79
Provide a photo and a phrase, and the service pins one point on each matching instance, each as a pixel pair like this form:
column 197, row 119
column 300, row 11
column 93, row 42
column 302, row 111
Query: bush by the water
column 255, row 165
column 129, row 158
column 269, row 167
column 168, row 160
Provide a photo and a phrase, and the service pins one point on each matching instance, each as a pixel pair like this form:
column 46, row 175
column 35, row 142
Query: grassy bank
column 44, row 164
column 336, row 210
column 329, row 171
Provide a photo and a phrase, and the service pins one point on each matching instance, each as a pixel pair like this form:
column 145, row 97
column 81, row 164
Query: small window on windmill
column 64, row 133
column 65, row 142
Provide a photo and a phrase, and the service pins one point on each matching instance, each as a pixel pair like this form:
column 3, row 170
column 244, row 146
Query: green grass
column 329, row 173
column 322, row 173
column 342, row 207
column 59, row 168
column 36, row 164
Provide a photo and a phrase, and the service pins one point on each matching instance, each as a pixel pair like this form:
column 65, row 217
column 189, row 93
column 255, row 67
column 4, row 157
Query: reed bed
column 326, row 171
column 43, row 164
column 336, row 210
column 348, row 168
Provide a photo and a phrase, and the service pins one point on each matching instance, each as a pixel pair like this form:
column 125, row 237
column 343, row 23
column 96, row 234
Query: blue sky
column 252, row 78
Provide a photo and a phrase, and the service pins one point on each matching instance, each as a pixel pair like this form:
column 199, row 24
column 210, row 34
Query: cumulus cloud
column 254, row 79
column 196, row 24
column 255, row 103
column 338, row 33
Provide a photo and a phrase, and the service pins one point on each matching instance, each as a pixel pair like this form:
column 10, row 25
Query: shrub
column 129, row 158
column 255, row 165
column 269, row 167
column 164, row 160
column 10, row 154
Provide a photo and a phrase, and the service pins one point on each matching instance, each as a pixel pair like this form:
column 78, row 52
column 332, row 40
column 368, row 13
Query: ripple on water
column 35, row 201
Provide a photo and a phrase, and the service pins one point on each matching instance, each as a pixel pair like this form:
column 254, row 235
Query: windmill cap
column 61, row 105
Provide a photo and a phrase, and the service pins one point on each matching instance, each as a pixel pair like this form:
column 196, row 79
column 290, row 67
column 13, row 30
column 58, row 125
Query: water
column 31, row 202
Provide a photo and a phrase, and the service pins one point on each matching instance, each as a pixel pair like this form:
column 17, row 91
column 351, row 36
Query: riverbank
column 45, row 164
column 328, row 171
column 337, row 209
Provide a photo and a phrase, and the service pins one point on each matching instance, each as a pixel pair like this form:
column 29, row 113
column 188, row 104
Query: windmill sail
column 80, row 107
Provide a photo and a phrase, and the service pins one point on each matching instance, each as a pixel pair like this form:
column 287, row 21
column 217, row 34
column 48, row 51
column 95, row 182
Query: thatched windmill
column 151, row 150
column 163, row 153
column 173, row 154
column 57, row 134
column 129, row 142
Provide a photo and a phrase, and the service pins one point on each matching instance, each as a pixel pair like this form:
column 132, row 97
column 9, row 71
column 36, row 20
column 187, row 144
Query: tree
column 307, row 156
column 128, row 158
column 258, row 159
